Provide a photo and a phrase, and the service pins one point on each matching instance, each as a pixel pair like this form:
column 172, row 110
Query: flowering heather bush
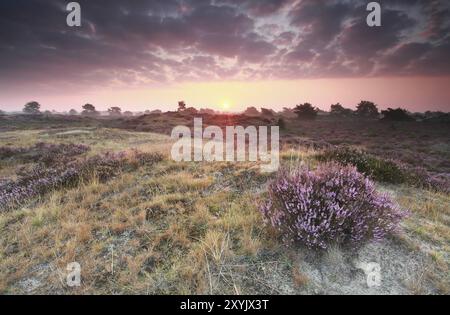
column 54, row 153
column 46, row 153
column 41, row 179
column 7, row 152
column 38, row 182
column 334, row 204
column 143, row 158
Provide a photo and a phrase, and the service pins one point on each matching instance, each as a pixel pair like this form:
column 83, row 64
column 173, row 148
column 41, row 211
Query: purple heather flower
column 332, row 204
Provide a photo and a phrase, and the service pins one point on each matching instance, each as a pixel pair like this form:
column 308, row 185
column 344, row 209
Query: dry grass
column 170, row 228
column 167, row 224
column 300, row 279
column 429, row 226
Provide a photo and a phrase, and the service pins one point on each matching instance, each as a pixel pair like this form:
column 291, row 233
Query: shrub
column 115, row 111
column 46, row 153
column 89, row 110
column 8, row 152
column 306, row 111
column 384, row 170
column 146, row 158
column 49, row 154
column 42, row 179
column 378, row 169
column 339, row 110
column 367, row 109
column 398, row 114
column 32, row 108
column 37, row 182
column 332, row 205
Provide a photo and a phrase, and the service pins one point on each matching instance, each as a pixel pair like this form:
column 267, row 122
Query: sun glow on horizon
column 415, row 94
column 226, row 105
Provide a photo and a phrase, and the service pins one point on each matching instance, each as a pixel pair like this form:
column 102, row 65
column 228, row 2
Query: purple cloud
column 139, row 42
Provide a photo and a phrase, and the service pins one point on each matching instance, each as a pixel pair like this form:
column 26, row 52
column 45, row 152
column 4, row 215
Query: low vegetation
column 46, row 153
column 383, row 170
column 332, row 205
column 54, row 173
column 108, row 196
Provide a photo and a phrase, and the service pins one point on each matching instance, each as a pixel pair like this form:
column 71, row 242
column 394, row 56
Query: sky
column 224, row 54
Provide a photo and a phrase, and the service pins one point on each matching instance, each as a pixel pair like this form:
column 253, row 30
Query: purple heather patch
column 333, row 204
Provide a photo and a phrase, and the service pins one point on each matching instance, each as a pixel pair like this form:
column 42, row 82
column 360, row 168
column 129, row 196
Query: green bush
column 379, row 169
column 384, row 170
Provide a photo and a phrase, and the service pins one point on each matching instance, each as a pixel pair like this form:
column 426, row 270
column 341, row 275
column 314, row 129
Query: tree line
column 34, row 108
column 305, row 111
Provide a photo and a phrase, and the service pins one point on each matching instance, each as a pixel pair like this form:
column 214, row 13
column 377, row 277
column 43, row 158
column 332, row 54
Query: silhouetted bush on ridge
column 306, row 111
column 366, row 109
column 398, row 114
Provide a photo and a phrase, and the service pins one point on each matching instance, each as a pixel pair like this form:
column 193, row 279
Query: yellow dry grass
column 171, row 228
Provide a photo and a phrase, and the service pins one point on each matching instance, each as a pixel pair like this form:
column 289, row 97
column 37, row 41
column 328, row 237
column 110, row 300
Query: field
column 155, row 226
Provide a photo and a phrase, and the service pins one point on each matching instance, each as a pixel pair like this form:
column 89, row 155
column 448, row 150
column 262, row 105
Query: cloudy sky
column 146, row 54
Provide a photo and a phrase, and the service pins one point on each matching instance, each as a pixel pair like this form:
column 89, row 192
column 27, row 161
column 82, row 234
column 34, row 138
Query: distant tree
column 32, row 108
column 128, row 113
column 48, row 113
column 251, row 111
column 89, row 110
column 181, row 106
column 398, row 114
column 115, row 111
column 267, row 112
column 73, row 112
column 367, row 109
column 306, row 111
column 339, row 110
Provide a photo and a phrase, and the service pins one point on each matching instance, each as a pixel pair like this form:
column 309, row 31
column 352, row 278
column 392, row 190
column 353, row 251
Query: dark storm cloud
column 354, row 39
column 138, row 42
column 320, row 20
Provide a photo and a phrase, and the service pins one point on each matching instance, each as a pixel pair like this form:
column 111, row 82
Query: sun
column 226, row 105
